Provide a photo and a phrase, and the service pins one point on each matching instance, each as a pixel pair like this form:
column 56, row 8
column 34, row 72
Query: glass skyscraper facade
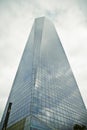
column 44, row 95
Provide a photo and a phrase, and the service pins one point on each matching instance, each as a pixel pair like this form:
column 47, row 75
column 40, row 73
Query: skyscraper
column 44, row 95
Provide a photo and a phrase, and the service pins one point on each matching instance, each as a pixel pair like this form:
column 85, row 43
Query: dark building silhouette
column 44, row 95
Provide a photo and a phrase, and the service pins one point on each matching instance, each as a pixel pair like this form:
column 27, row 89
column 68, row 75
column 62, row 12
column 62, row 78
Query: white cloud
column 16, row 19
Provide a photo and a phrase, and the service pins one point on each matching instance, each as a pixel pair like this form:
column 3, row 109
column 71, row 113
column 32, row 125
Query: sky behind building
column 16, row 19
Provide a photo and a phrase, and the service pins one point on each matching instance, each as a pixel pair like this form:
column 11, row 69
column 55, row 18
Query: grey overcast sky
column 16, row 19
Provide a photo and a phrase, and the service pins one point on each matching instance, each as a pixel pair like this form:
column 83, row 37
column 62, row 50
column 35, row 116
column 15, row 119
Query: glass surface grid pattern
column 44, row 86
